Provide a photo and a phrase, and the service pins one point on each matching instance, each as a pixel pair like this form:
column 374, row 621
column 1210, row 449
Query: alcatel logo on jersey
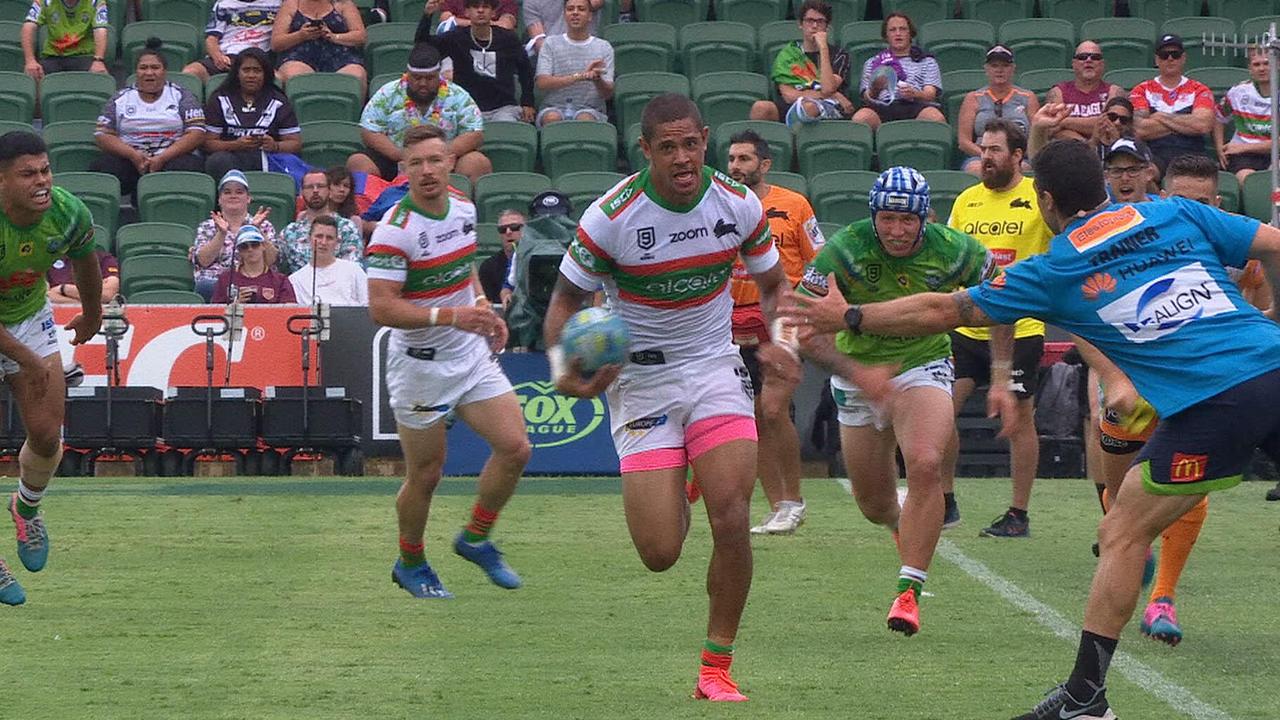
column 448, row 277
column 1160, row 307
column 994, row 227
column 690, row 234
column 1103, row 226
column 695, row 283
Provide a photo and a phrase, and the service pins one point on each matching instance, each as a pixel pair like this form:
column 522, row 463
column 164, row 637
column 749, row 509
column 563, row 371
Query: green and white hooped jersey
column 666, row 269
column 433, row 256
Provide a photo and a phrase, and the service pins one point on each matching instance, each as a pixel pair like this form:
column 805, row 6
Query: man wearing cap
column 1086, row 94
column 1129, row 170
column 999, row 99
column 252, row 280
column 420, row 97
column 1174, row 114
column 214, row 246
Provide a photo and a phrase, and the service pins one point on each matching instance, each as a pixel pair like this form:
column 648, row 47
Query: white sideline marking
column 1145, row 677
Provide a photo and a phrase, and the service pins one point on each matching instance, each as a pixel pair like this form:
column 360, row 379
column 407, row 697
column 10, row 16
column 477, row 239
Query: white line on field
column 1145, row 677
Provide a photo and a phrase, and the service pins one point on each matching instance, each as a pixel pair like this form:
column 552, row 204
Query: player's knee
column 881, row 511
column 925, row 467
column 515, row 450
column 424, row 473
column 659, row 557
column 730, row 520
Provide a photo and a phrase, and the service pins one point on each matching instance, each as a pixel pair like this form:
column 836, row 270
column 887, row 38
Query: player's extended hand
column 84, row 327
column 574, row 383
column 263, row 213
column 779, row 365
column 479, row 320
column 815, row 315
column 1002, row 403
column 1051, row 115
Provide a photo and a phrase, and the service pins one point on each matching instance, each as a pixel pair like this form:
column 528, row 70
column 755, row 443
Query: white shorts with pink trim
column 681, row 410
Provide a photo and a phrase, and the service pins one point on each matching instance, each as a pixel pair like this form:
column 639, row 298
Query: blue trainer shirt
column 1145, row 283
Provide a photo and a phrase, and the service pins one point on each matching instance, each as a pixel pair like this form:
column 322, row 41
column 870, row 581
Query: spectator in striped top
column 1248, row 106
column 1174, row 114
column 248, row 117
column 902, row 82
column 575, row 70
column 150, row 126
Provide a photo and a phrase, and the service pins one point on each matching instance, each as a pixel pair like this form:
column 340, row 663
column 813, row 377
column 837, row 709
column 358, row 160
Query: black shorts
column 901, row 109
column 1209, row 445
column 973, row 360
column 1236, row 163
column 387, row 168
column 213, row 69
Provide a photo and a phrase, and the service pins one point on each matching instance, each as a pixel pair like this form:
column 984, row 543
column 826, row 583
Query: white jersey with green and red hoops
column 666, row 269
column 433, row 256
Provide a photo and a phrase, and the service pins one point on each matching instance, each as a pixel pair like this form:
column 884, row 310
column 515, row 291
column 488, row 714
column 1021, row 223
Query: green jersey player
column 39, row 223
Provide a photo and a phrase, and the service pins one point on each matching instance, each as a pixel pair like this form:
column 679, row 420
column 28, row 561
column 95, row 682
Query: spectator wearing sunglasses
column 1115, row 122
column 493, row 271
column 1086, row 93
column 999, row 99
column 1172, row 114
column 252, row 280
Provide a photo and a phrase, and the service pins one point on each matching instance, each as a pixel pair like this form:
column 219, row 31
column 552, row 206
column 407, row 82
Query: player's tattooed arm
column 923, row 314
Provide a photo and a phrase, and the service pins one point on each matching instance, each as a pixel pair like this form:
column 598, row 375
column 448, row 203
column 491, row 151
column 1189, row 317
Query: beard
column 422, row 98
column 750, row 179
column 996, row 176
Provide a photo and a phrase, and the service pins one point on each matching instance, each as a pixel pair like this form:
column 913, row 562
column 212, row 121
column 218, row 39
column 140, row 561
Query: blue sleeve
column 1230, row 235
column 1019, row 292
column 385, row 202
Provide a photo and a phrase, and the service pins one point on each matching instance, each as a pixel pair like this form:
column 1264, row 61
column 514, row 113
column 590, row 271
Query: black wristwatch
column 853, row 319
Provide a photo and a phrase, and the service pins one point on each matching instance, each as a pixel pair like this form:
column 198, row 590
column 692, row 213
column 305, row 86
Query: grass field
column 271, row 598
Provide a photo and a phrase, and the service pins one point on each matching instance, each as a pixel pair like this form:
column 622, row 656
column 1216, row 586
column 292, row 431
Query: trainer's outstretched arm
column 1266, row 249
column 923, row 314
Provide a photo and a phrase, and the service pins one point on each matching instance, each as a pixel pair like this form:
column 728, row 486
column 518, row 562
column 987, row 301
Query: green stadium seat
column 727, row 96
column 833, row 145
column 17, row 96
column 921, row 12
column 788, row 180
column 861, row 40
column 755, row 13
column 840, row 196
column 1193, row 30
column 996, row 11
column 829, row 229
column 771, row 38
column 781, row 142
column 325, row 96
column 461, row 183
column 154, row 238
column 510, row 146
column 716, row 47
column 406, row 10
column 1125, row 42
column 185, row 198
column 642, row 47
column 1039, row 43
column 11, row 45
column 7, row 126
column 100, row 192
column 276, row 191
column 584, row 188
column 958, row 43
column 507, row 189
column 1039, row 81
column 944, row 187
column 213, row 83
column 155, row 272
column 920, row 144
column 387, row 46
column 488, row 240
column 631, row 92
column 957, row 84
column 1229, row 191
column 1219, row 79
column 676, row 13
column 1241, row 10
column 75, row 95
column 379, row 80
column 1158, row 11
column 326, row 143
column 71, row 145
column 166, row 297
column 101, row 238
column 1254, row 27
column 1127, row 78
column 182, row 43
column 193, row 84
column 575, row 146
column 1256, row 196
column 845, row 11
column 192, row 12
column 1075, row 12
column 631, row 143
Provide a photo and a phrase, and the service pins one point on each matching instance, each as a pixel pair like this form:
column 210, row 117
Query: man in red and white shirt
column 1174, row 115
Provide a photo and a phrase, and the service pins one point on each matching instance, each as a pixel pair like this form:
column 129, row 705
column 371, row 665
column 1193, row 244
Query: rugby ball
column 595, row 336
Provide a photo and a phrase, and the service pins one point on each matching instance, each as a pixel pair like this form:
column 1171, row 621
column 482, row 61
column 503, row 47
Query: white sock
column 29, row 496
column 915, row 574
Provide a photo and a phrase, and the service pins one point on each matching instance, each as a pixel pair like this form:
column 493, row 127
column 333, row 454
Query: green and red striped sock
column 482, row 521
column 714, row 655
column 412, row 554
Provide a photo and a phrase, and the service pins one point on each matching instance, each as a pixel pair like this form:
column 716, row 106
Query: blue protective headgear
column 900, row 189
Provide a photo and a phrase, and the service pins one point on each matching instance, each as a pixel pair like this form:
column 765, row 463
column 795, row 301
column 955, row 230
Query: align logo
column 552, row 419
column 1160, row 307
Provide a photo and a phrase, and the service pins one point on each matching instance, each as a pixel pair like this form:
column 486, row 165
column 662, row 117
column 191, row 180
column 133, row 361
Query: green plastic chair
column 213, row 83
column 101, row 239
column 461, row 183
column 166, row 297
column 921, row 11
column 192, row 12
column 958, row 84
column 1241, row 10
column 920, row 144
column 155, row 272
column 75, row 95
column 406, row 10
column 944, row 187
column 781, row 142
column 1039, row 43
column 191, row 83
column 15, row 125
column 584, row 188
column 182, row 43
column 488, row 240
column 833, row 145
column 325, row 96
column 754, row 13
column 1158, row 11
column 17, row 96
column 843, row 11
column 574, row 146
column 631, row 144
column 1219, row 79
column 1125, row 42
column 507, row 189
column 676, row 13
column 71, row 145
column 958, row 43
column 1229, row 191
column 326, row 143
column 840, row 197
column 510, row 146
column 379, row 80
column 788, row 180
column 172, row 196
column 1254, row 27
column 11, row 44
column 276, row 191
column 861, row 40
column 1127, row 78
column 707, row 47
column 771, row 38
column 387, row 46
column 1193, row 30
column 154, row 238
column 1256, row 196
column 996, row 11
column 1075, row 12
column 728, row 96
column 100, row 192
column 829, row 229
column 642, row 47
column 631, row 92
column 1039, row 81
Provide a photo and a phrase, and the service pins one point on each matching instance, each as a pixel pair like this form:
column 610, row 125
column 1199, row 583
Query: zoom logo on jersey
column 1160, row 307
column 727, row 228
column 646, row 238
column 690, row 234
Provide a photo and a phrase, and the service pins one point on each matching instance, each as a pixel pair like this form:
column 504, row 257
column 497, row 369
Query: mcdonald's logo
column 1187, row 468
